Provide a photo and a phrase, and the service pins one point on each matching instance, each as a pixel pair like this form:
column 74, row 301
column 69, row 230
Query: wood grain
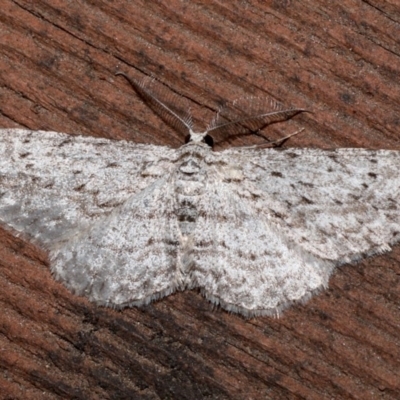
column 340, row 60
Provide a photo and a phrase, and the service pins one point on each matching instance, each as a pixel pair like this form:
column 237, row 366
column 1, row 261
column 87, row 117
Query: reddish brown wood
column 57, row 64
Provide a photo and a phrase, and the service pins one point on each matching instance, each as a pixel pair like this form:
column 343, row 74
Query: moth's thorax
column 191, row 169
column 191, row 174
column 190, row 183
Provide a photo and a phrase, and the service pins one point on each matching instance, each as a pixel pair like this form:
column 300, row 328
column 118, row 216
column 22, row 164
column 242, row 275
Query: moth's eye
column 209, row 140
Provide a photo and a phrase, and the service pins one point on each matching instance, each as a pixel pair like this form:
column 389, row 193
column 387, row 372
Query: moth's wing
column 243, row 261
column 128, row 257
column 52, row 182
column 340, row 205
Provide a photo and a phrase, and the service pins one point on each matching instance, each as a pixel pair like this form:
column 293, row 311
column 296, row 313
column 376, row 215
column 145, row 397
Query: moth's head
column 203, row 137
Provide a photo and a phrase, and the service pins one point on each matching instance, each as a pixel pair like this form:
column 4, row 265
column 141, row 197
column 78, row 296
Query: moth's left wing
column 52, row 182
column 340, row 205
column 244, row 261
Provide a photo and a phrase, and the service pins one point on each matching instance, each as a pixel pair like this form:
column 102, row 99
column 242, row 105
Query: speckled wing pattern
column 343, row 203
column 284, row 218
column 254, row 229
column 51, row 182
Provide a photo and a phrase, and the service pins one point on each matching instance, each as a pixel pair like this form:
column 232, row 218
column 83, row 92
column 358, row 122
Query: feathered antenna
column 166, row 110
column 223, row 126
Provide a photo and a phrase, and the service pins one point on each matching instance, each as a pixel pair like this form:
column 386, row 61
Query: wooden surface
column 340, row 60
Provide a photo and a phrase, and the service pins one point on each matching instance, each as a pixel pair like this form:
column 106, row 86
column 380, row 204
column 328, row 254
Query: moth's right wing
column 51, row 183
column 129, row 257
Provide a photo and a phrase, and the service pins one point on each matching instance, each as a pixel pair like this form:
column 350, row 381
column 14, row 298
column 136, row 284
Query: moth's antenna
column 231, row 120
column 278, row 142
column 182, row 123
column 251, row 124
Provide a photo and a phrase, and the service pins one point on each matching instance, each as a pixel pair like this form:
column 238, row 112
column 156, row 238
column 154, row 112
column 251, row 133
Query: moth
column 254, row 229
